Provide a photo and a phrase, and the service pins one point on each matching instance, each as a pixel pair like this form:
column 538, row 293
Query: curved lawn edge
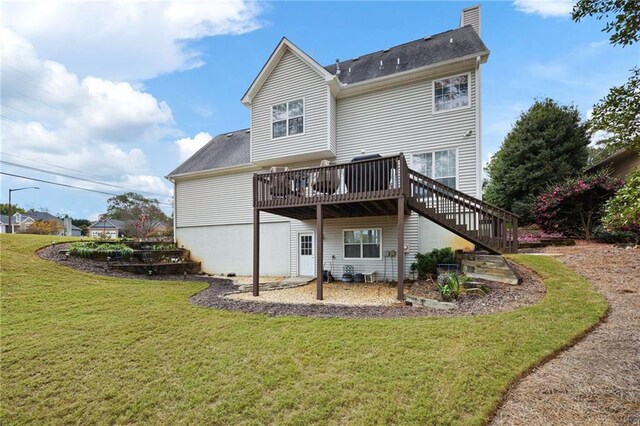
column 428, row 370
column 524, row 260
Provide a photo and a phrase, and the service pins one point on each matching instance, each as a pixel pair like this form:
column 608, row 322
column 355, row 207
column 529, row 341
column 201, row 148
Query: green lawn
column 82, row 349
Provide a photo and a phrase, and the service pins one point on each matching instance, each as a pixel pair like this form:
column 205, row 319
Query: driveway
column 597, row 381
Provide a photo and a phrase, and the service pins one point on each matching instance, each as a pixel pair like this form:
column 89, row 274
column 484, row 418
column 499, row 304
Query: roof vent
column 355, row 59
column 349, row 70
column 337, row 66
column 386, row 50
column 229, row 135
column 381, row 65
column 450, row 40
column 398, row 63
column 248, row 131
column 428, row 37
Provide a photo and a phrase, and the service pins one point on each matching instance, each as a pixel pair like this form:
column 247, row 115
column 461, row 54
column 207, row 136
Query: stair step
column 507, row 280
column 484, row 264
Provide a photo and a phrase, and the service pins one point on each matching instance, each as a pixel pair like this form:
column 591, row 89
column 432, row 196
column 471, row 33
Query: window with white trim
column 438, row 165
column 287, row 119
column 451, row 93
column 362, row 243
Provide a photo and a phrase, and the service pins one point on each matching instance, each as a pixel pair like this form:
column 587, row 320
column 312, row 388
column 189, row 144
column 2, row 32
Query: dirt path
column 596, row 382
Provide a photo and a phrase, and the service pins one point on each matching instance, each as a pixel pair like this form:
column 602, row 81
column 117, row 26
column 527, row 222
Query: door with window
column 306, row 258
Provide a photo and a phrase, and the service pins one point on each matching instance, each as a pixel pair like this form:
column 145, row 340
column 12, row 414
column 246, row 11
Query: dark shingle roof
column 225, row 150
column 414, row 54
column 41, row 216
column 4, row 219
column 232, row 149
column 108, row 224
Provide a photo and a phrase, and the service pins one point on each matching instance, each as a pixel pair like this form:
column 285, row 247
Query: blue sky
column 121, row 92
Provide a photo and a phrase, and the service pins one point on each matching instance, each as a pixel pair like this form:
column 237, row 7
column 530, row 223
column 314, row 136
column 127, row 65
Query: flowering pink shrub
column 574, row 207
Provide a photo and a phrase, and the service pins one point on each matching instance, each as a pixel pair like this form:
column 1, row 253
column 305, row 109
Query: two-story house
column 358, row 165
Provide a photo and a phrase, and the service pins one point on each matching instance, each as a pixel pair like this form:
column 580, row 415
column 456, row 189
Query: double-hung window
column 362, row 243
column 438, row 165
column 451, row 93
column 287, row 119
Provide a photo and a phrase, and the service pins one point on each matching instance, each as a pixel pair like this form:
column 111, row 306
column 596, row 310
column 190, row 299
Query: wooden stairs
column 487, row 226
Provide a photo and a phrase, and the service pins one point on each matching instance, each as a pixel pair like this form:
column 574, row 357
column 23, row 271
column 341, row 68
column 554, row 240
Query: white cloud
column 123, row 40
column 546, row 8
column 95, row 125
column 188, row 146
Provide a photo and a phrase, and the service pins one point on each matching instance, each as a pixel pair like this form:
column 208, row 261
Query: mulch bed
column 597, row 381
column 503, row 297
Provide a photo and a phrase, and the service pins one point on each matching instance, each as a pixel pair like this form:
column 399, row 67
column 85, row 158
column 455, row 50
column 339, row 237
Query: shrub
column 87, row 250
column 574, row 208
column 604, row 235
column 622, row 212
column 449, row 285
column 427, row 263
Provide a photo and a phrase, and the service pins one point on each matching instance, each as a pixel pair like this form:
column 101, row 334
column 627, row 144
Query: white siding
column 471, row 16
column 332, row 121
column 217, row 200
column 291, row 79
column 333, row 244
column 400, row 119
column 229, row 248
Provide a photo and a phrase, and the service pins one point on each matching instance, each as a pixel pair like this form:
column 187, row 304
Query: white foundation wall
column 432, row 236
column 229, row 248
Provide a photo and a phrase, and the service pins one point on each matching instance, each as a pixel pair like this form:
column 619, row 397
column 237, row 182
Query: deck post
column 319, row 251
column 400, row 252
column 256, row 252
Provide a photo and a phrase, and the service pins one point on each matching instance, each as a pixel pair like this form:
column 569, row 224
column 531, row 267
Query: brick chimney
column 471, row 16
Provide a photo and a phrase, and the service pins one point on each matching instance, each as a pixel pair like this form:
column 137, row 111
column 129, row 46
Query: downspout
column 478, row 128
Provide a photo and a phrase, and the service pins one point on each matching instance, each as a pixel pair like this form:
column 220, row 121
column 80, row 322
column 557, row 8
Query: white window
column 287, row 119
column 438, row 165
column 362, row 243
column 451, row 93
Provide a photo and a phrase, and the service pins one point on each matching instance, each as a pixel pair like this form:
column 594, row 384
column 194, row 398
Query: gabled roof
column 41, row 216
column 225, row 150
column 446, row 46
column 108, row 224
column 272, row 62
column 4, row 219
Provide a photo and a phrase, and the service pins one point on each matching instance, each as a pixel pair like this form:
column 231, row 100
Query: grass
column 78, row 348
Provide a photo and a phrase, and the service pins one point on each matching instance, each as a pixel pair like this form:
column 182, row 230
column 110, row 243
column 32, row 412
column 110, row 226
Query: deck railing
column 365, row 180
column 386, row 178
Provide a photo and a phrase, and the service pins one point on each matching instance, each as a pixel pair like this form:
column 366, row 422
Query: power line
column 66, row 186
column 50, row 164
column 15, row 109
column 36, row 99
column 75, row 177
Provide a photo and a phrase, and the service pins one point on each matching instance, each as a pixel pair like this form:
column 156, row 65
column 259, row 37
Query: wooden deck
column 379, row 187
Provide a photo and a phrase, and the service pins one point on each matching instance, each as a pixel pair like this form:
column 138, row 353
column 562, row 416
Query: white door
column 305, row 254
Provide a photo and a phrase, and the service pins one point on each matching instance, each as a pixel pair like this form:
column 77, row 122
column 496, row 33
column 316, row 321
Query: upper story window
column 287, row 118
column 438, row 165
column 451, row 93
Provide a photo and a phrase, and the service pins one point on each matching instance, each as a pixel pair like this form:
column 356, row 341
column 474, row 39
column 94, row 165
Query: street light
column 10, row 209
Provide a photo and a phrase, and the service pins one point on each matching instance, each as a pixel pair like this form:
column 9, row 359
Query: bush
column 449, row 285
column 574, row 208
column 622, row 212
column 427, row 263
column 604, row 235
column 87, row 250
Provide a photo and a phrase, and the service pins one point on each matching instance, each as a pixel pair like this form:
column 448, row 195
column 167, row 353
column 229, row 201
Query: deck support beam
column 256, row 252
column 400, row 251
column 319, row 251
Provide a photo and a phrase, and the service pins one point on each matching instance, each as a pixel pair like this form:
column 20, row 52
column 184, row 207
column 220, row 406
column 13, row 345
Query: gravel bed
column 597, row 381
column 503, row 297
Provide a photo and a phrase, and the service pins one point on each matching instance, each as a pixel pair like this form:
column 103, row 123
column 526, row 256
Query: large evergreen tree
column 547, row 144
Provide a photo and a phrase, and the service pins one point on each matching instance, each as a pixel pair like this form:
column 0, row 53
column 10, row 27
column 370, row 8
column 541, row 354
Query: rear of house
column 421, row 99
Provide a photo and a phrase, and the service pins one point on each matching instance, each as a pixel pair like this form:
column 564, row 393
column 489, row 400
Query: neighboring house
column 420, row 98
column 22, row 221
column 157, row 228
column 107, row 228
column 4, row 224
column 621, row 163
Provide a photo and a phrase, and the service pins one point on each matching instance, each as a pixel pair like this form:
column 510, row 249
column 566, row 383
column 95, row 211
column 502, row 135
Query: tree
column 140, row 212
column 622, row 212
column 574, row 207
column 547, row 144
column 83, row 224
column 619, row 114
column 43, row 227
column 4, row 209
column 625, row 24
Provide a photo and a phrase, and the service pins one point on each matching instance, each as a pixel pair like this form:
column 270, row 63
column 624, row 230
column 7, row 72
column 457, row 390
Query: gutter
column 213, row 172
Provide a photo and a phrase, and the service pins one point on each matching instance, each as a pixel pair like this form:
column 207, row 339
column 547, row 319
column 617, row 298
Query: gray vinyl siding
column 217, row 200
column 332, row 121
column 290, row 80
column 401, row 119
column 333, row 244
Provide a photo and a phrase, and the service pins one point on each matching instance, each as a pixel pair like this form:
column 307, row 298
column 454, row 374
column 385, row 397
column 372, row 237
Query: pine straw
column 597, row 381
